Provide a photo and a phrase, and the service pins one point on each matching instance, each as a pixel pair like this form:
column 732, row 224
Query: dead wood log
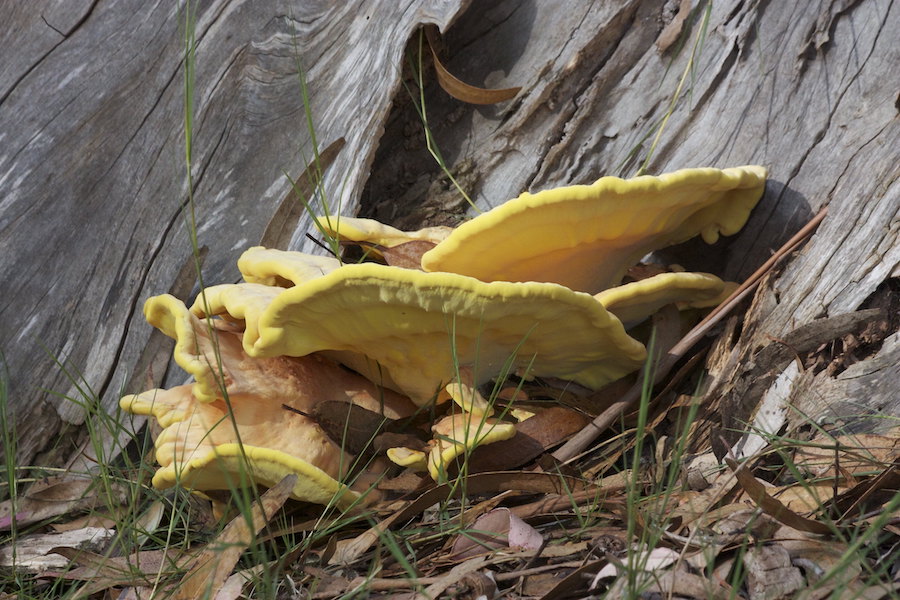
column 92, row 173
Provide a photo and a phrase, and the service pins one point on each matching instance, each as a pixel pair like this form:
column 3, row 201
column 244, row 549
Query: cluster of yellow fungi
column 533, row 286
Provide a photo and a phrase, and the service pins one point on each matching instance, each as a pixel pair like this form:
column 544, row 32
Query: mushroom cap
column 356, row 229
column 301, row 382
column 198, row 447
column 636, row 301
column 242, row 302
column 414, row 326
column 277, row 268
column 407, row 457
column 459, row 433
column 585, row 236
column 194, row 350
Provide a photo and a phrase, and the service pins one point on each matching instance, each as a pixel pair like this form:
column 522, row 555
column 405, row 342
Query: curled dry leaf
column 548, row 427
column 407, row 255
column 459, row 89
column 52, row 497
column 495, row 529
column 770, row 505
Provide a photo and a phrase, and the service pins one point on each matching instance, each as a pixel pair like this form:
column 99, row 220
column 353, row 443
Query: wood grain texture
column 92, row 169
column 92, row 176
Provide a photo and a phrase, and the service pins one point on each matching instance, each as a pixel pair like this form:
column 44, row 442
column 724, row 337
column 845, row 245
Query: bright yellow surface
column 586, row 236
column 414, row 325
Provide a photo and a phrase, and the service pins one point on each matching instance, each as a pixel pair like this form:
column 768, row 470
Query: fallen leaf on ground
column 498, row 528
column 217, row 562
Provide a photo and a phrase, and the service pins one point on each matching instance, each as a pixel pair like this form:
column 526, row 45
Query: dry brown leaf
column 598, row 499
column 817, row 555
column 704, row 506
column 859, row 454
column 233, row 588
column 804, row 497
column 499, row 528
column 407, row 255
column 454, row 575
column 216, row 563
column 91, row 520
column 548, row 427
column 681, row 584
column 574, row 583
column 871, row 493
column 648, row 560
column 348, row 425
column 480, row 483
column 770, row 505
column 122, row 570
column 52, row 497
column 459, row 89
column 540, row 584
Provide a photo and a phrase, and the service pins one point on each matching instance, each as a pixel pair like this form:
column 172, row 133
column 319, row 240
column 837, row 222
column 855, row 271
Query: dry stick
column 592, row 430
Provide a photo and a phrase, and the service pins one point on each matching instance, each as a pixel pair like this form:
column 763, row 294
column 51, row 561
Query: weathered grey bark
column 92, row 176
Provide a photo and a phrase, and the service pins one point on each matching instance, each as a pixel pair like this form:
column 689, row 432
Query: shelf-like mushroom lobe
column 459, row 434
column 409, row 328
column 633, row 302
column 585, row 236
column 355, row 229
column 199, row 444
column 199, row 449
column 278, row 268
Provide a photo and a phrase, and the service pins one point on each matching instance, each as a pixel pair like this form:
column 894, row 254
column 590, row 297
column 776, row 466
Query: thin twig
column 592, row 430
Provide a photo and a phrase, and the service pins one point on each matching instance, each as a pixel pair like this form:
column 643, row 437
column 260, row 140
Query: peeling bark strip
column 92, row 174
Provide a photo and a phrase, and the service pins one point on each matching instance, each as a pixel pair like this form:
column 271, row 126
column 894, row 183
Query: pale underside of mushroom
column 199, row 446
column 199, row 449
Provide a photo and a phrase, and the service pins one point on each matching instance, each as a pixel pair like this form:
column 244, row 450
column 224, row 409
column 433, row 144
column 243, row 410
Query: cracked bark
column 89, row 222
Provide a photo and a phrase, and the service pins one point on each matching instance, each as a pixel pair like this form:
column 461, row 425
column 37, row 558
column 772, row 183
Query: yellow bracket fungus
column 198, row 446
column 356, row 229
column 510, row 289
column 408, row 328
column 636, row 301
column 275, row 268
column 459, row 433
column 585, row 236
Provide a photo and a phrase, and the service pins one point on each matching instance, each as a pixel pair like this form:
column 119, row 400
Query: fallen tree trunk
column 93, row 177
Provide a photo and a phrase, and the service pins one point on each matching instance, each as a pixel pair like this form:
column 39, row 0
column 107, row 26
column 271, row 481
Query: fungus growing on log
column 458, row 433
column 633, row 302
column 508, row 291
column 354, row 229
column 585, row 236
column 199, row 447
column 407, row 328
